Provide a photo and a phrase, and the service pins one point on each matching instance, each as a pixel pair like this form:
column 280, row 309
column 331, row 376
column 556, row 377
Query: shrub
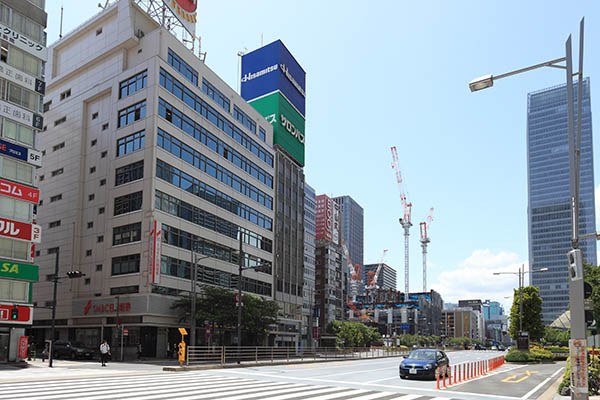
column 535, row 354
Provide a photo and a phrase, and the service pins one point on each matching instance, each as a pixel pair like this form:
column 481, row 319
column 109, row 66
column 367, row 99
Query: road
column 358, row 380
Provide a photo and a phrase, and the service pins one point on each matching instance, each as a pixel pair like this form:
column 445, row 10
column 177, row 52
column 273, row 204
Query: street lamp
column 521, row 273
column 578, row 326
column 55, row 279
column 194, row 259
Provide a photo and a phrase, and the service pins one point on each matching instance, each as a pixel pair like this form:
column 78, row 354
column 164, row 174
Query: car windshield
column 422, row 355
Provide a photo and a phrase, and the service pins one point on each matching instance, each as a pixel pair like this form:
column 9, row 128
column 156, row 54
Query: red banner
column 25, row 314
column 19, row 191
column 20, row 230
column 23, row 347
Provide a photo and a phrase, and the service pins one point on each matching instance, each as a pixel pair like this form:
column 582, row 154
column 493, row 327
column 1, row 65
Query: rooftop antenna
column 61, row 21
column 239, row 78
column 99, row 5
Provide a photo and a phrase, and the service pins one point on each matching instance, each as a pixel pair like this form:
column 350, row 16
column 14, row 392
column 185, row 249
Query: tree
column 592, row 276
column 532, row 314
column 556, row 336
column 355, row 334
column 217, row 306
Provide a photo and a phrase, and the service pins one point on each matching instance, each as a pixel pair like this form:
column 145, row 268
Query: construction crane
column 354, row 274
column 374, row 275
column 424, row 226
column 405, row 220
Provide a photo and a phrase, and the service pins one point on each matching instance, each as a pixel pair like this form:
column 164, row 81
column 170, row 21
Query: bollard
column 437, row 375
column 444, row 376
column 454, row 375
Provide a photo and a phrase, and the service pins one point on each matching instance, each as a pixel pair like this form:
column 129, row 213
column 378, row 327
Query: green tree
column 532, row 314
column 556, row 336
column 592, row 276
column 218, row 306
column 355, row 334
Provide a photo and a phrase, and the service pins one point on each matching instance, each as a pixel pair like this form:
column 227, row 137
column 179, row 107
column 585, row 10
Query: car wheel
column 402, row 376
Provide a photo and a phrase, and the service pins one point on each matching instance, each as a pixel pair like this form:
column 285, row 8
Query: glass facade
column 352, row 225
column 310, row 230
column 548, row 189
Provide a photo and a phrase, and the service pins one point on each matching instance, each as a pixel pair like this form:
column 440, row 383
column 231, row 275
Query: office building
column 309, row 322
column 549, row 208
column 462, row 322
column 273, row 82
column 150, row 156
column 475, row 304
column 387, row 275
column 23, row 55
column 352, row 230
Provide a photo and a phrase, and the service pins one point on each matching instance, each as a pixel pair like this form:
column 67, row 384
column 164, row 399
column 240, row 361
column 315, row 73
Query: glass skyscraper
column 352, row 227
column 548, row 186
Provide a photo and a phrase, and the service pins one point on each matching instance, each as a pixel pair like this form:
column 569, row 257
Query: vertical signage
column 155, row 252
column 23, row 340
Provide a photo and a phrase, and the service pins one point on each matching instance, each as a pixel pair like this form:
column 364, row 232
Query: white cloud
column 475, row 279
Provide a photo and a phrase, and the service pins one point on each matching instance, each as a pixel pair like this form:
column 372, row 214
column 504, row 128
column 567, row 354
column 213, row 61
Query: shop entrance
column 4, row 341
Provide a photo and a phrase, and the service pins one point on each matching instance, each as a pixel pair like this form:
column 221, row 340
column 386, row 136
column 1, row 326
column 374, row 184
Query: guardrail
column 222, row 355
column 466, row 371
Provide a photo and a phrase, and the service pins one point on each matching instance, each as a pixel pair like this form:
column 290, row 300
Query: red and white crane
column 374, row 275
column 424, row 226
column 405, row 220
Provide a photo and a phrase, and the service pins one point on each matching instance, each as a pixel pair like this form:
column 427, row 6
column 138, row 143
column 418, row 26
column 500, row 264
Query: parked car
column 423, row 363
column 501, row 348
column 478, row 347
column 494, row 348
column 72, row 350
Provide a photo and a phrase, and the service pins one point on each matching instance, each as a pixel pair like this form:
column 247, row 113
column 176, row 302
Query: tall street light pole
column 194, row 259
column 577, row 344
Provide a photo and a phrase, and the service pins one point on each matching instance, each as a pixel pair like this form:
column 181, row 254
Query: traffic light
column 575, row 264
column 14, row 313
column 74, row 274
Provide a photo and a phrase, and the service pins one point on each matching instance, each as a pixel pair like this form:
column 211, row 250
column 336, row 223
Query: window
column 88, row 252
column 47, row 105
column 244, row 119
column 262, row 134
column 17, row 171
column 132, row 113
column 105, row 126
column 133, row 84
column 58, row 146
column 90, row 225
column 27, row 27
column 55, row 198
column 126, row 264
column 129, row 173
column 57, row 172
column 14, row 249
column 54, row 224
column 98, row 267
column 92, row 170
column 101, row 210
column 91, row 197
column 25, row 98
column 99, row 31
column 103, row 154
column 212, row 115
column 130, row 143
column 102, row 182
column 128, row 203
column 216, row 95
column 65, row 94
column 23, row 60
column 87, row 281
column 127, row 234
column 100, row 239
column 97, row 294
column 60, row 121
column 182, row 67
column 94, row 115
column 19, row 133
column 12, row 208
column 93, row 142
column 124, row 290
column 41, row 178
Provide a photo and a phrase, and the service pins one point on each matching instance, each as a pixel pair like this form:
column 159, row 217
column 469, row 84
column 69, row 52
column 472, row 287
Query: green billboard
column 20, row 271
column 288, row 123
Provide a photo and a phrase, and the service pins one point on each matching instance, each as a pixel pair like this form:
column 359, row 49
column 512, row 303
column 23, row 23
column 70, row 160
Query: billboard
column 25, row 316
column 20, row 230
column 288, row 124
column 186, row 12
column 271, row 68
column 20, row 192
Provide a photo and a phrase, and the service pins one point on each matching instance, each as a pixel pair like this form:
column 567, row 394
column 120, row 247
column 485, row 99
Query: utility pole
column 521, row 283
column 193, row 300
column 53, row 330
column 239, row 316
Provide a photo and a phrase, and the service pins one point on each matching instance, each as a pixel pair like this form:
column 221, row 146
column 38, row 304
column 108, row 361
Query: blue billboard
column 271, row 68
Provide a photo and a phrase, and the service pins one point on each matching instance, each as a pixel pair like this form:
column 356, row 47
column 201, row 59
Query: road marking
column 357, row 372
column 511, row 379
column 380, row 380
column 535, row 389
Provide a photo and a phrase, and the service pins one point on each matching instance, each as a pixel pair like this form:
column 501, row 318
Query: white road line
column 556, row 373
column 334, row 395
column 305, row 393
column 535, row 389
column 410, row 397
column 355, row 372
column 379, row 380
column 374, row 396
column 267, row 394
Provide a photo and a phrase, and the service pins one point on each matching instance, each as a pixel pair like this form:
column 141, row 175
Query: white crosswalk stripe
column 186, row 386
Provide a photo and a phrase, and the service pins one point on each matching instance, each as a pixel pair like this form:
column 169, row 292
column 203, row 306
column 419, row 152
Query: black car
column 72, row 350
column 479, row 347
column 423, row 363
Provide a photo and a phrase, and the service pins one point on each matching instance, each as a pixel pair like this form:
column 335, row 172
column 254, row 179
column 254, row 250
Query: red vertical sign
column 23, row 340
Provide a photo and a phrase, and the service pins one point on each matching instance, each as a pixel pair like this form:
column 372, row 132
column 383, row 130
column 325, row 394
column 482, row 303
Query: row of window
column 244, row 119
column 17, row 249
column 22, row 24
column 217, row 119
column 211, row 276
column 129, row 264
column 132, row 113
column 192, row 185
column 131, row 143
column 181, row 209
column 21, row 60
column 129, row 173
column 127, row 233
column 131, row 85
column 19, row 133
column 182, row 67
column 216, row 95
column 128, row 203
column 186, row 124
column 208, row 166
column 16, row 209
column 20, row 96
column 17, row 171
column 185, row 240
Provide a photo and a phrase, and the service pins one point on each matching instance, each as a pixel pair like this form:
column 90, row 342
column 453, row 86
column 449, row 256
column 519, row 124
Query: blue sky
column 390, row 73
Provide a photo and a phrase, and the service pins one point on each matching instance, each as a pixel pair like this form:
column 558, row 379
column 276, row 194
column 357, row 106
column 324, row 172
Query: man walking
column 104, row 352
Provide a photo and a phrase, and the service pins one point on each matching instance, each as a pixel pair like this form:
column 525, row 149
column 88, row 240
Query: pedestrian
column 104, row 352
column 139, row 351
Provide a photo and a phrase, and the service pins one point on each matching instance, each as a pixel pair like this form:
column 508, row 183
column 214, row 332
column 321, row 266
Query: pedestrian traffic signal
column 14, row 313
column 575, row 264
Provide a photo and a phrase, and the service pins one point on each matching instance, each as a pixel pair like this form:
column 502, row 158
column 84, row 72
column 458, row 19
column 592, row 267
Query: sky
column 395, row 73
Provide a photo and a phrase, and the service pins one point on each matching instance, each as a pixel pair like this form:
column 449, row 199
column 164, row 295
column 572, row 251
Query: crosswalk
column 187, row 386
